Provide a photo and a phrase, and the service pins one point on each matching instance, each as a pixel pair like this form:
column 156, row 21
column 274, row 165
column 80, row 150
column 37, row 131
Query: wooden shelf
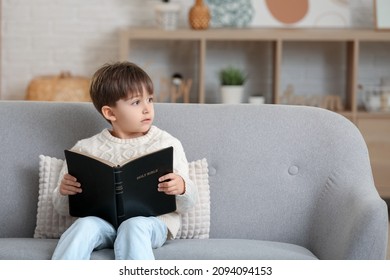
column 256, row 34
column 374, row 126
column 277, row 37
column 373, row 115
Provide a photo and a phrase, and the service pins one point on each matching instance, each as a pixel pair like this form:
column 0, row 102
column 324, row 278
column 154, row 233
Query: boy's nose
column 145, row 109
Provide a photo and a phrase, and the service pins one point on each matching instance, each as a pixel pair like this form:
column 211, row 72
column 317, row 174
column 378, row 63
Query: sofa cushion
column 26, row 248
column 190, row 249
column 194, row 223
column 239, row 249
column 222, row 249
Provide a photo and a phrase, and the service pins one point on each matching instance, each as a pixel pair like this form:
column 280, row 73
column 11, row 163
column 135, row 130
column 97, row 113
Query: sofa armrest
column 351, row 220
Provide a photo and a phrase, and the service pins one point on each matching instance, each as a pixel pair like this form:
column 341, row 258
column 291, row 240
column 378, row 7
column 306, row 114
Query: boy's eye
column 150, row 99
column 135, row 102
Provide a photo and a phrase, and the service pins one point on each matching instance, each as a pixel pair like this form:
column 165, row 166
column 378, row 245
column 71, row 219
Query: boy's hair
column 116, row 81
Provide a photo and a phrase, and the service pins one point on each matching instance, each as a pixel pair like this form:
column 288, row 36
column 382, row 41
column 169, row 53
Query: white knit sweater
column 116, row 150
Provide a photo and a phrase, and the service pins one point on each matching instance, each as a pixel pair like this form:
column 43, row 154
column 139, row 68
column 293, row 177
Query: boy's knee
column 88, row 223
column 139, row 224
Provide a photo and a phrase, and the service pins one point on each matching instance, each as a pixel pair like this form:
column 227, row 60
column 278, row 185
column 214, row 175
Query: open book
column 116, row 193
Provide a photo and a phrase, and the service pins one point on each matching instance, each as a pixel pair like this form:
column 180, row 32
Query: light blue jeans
column 135, row 238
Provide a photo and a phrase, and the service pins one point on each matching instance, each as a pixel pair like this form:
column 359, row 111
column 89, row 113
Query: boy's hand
column 174, row 184
column 69, row 185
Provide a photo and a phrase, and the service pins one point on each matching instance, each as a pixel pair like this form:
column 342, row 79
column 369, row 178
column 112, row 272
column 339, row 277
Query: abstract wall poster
column 280, row 13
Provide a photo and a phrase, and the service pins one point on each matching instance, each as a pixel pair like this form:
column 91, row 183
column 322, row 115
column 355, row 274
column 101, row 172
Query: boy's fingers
column 73, row 190
column 71, row 184
column 71, row 181
column 169, row 176
column 69, row 177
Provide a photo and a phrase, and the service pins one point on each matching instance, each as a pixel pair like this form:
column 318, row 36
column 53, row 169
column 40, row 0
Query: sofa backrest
column 268, row 164
column 29, row 129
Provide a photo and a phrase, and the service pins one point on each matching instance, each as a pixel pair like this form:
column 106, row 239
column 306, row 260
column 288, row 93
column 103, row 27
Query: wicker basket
column 63, row 87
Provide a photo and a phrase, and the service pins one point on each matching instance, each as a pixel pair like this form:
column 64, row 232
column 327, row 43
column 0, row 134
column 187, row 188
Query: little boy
column 123, row 93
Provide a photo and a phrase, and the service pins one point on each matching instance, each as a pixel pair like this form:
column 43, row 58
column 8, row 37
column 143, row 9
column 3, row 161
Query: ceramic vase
column 199, row 16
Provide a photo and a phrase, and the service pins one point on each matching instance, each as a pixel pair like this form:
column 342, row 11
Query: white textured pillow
column 49, row 223
column 195, row 223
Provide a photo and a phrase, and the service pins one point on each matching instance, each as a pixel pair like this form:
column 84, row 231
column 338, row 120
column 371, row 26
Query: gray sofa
column 286, row 182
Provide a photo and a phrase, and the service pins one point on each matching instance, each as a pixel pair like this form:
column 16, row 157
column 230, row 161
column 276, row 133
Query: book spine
column 120, row 211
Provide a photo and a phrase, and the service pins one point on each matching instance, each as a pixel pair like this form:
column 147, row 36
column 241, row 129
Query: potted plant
column 232, row 84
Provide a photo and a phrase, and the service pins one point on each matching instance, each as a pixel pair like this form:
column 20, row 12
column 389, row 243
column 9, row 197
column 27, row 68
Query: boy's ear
column 108, row 113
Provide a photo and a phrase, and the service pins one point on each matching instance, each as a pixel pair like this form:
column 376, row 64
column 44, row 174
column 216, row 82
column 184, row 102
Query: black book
column 116, row 193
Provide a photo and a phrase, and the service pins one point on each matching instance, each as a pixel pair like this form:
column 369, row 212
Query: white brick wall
column 41, row 37
column 44, row 37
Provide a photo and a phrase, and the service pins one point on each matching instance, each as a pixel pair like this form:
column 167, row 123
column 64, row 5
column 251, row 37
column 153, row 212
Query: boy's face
column 132, row 117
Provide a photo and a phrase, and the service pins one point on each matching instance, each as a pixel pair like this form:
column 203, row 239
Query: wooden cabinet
column 376, row 132
column 200, row 45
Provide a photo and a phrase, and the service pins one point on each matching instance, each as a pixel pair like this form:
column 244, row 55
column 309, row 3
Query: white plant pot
column 232, row 94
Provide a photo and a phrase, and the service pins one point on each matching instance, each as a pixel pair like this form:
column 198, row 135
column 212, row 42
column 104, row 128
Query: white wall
column 44, row 37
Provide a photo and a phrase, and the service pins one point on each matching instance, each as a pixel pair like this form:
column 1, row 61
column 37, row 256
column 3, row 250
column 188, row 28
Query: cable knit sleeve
column 187, row 200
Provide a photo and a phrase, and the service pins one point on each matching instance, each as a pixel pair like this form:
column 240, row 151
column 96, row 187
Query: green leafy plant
column 232, row 76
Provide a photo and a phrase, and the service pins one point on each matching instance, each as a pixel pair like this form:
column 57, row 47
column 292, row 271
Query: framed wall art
column 381, row 14
column 280, row 13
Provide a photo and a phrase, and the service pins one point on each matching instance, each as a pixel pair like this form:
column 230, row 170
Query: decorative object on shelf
column 301, row 13
column 232, row 82
column 385, row 84
column 377, row 98
column 62, row 87
column 330, row 101
column 231, row 13
column 373, row 99
column 381, row 13
column 167, row 15
column 257, row 100
column 199, row 16
column 178, row 88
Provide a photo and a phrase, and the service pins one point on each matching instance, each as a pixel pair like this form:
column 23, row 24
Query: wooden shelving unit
column 376, row 135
